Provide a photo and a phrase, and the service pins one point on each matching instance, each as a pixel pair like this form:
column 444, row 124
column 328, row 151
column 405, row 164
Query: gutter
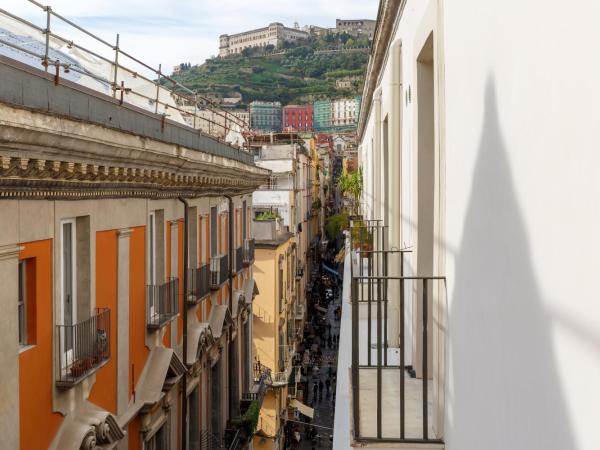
column 184, row 426
column 230, row 250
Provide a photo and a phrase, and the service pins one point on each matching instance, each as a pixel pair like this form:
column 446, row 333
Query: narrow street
column 319, row 366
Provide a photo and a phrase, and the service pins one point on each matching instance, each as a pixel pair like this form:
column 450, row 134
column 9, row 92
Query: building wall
column 274, row 34
column 41, row 406
column 356, row 27
column 297, row 118
column 269, row 321
column 265, row 116
column 522, row 350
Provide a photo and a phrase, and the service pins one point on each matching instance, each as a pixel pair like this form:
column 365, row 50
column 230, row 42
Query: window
column 68, row 279
column 151, row 276
column 160, row 439
column 152, row 248
column 22, row 304
column 193, row 421
column 213, row 231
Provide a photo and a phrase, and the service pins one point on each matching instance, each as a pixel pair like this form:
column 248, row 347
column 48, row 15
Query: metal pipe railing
column 162, row 303
column 218, row 270
column 249, row 251
column 373, row 287
column 177, row 97
column 199, row 286
column 82, row 347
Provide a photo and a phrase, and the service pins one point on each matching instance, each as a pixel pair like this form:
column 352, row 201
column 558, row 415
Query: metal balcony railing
column 238, row 255
column 373, row 287
column 211, row 441
column 106, row 67
column 162, row 303
column 218, row 271
column 249, row 251
column 198, row 280
column 82, row 348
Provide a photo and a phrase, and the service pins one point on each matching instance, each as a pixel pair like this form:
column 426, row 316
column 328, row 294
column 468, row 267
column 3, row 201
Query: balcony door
column 213, row 231
column 151, row 276
column 244, row 222
column 68, row 310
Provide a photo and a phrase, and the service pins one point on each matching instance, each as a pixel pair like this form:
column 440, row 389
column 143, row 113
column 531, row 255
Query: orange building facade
column 127, row 283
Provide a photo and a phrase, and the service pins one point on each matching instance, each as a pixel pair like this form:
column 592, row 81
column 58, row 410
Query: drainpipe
column 184, row 424
column 230, row 251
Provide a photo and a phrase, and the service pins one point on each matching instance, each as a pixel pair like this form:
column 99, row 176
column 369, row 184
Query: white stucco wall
column 516, row 120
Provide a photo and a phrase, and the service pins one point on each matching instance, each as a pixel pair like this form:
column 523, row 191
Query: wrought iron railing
column 238, row 255
column 248, row 251
column 218, row 271
column 198, row 287
column 162, row 303
column 211, row 441
column 82, row 348
column 377, row 279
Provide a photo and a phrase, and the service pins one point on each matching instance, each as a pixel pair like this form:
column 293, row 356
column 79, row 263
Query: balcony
column 218, row 271
column 300, row 313
column 238, row 255
column 248, row 251
column 161, row 303
column 286, row 353
column 392, row 365
column 198, row 280
column 82, row 348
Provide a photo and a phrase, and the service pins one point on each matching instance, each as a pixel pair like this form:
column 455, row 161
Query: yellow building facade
column 274, row 325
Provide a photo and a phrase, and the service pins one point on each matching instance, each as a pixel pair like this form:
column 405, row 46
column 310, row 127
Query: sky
column 169, row 32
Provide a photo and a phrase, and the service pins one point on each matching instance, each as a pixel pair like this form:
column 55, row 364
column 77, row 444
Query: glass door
column 68, row 290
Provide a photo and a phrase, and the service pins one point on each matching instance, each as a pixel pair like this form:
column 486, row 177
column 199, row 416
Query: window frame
column 68, row 353
column 22, row 304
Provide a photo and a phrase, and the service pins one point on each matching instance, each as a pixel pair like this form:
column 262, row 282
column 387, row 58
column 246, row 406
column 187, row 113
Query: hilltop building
column 274, row 34
column 265, row 116
column 356, row 27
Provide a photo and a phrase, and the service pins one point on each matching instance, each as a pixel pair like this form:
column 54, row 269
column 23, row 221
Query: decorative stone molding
column 9, row 252
column 25, row 178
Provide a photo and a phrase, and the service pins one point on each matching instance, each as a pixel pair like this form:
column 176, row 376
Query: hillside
column 301, row 74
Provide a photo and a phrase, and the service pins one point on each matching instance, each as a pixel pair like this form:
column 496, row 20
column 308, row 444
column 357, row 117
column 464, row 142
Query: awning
column 163, row 367
column 304, row 410
column 220, row 317
column 85, row 427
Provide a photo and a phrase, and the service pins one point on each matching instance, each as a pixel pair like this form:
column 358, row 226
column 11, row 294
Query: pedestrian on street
column 320, row 389
column 315, row 389
column 328, row 386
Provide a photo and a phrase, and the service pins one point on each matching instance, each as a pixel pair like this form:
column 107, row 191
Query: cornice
column 51, row 179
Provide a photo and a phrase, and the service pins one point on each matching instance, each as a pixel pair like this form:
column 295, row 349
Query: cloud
column 183, row 30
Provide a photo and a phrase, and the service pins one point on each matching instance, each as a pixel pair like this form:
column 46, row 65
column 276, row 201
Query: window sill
column 24, row 348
